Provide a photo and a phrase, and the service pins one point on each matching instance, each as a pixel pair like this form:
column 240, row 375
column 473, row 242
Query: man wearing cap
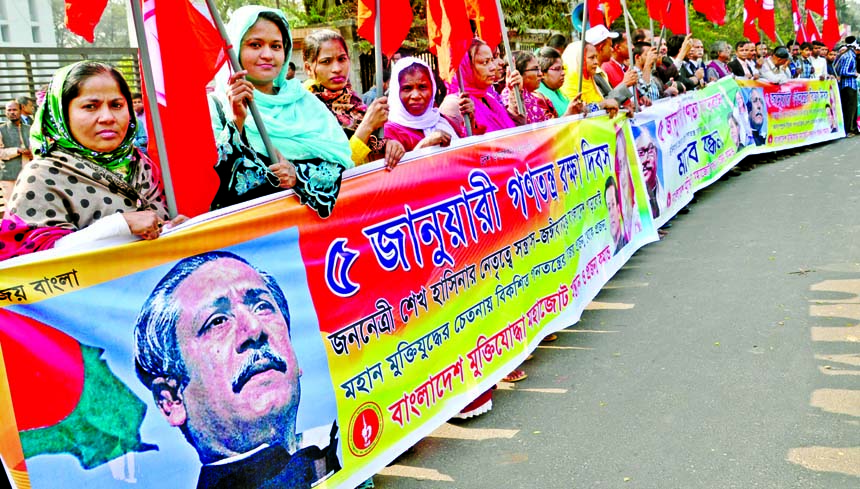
column 602, row 39
column 775, row 68
column 846, row 71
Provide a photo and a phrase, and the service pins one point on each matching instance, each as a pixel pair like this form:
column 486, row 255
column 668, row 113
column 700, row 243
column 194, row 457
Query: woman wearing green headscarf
column 87, row 178
column 313, row 149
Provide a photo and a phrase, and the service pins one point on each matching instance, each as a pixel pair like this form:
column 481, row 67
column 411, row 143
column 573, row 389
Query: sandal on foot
column 515, row 376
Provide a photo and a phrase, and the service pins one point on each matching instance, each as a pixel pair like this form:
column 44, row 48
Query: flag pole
column 152, row 102
column 572, row 28
column 234, row 63
column 582, row 54
column 801, row 22
column 377, row 51
column 520, row 105
column 687, row 15
column 466, row 117
column 630, row 53
column 632, row 20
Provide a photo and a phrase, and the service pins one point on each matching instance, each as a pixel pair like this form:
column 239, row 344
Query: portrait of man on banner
column 214, row 343
column 757, row 111
column 650, row 166
column 612, row 199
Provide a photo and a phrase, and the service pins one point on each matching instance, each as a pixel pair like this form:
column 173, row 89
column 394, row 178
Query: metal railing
column 24, row 70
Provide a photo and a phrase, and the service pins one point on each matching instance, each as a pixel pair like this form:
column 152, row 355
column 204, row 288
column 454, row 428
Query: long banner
column 263, row 346
column 686, row 143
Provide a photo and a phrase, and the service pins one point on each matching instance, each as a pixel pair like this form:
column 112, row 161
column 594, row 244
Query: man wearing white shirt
column 819, row 60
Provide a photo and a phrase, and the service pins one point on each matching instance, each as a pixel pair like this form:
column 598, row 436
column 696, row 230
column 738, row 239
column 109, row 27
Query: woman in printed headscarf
column 313, row 151
column 412, row 118
column 327, row 65
column 87, row 181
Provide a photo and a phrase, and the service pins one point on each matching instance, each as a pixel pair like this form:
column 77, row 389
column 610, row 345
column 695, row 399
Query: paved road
column 725, row 356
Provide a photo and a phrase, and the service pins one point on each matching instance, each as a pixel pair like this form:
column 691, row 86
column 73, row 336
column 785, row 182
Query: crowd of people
column 77, row 169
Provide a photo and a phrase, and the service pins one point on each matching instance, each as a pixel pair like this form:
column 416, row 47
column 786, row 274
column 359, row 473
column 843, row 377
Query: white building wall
column 26, row 23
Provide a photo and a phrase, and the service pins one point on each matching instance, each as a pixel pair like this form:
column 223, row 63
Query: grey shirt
column 10, row 161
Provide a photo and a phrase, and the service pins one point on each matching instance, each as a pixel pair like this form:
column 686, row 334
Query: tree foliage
column 520, row 15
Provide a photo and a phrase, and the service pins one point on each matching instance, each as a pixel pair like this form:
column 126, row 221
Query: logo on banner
column 365, row 429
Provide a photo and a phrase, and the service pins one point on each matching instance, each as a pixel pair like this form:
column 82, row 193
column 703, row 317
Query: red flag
column 751, row 12
column 396, row 21
column 449, row 33
column 765, row 19
column 604, row 11
column 675, row 17
column 656, row 9
column 180, row 81
column 713, row 10
column 812, row 33
column 816, row 6
column 486, row 17
column 82, row 16
column 830, row 30
column 796, row 21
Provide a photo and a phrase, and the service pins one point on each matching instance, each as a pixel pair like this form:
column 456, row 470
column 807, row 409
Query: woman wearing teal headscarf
column 314, row 152
column 87, row 181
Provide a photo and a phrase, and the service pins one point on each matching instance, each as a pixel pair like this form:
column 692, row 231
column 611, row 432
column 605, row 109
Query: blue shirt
column 846, row 69
column 141, row 138
column 805, row 69
column 650, row 90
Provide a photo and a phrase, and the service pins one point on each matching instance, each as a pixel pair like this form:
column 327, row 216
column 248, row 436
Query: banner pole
column 802, row 23
column 377, row 49
column 687, row 15
column 466, row 117
column 234, row 63
column 520, row 105
column 630, row 53
column 152, row 102
column 572, row 28
column 632, row 20
column 582, row 54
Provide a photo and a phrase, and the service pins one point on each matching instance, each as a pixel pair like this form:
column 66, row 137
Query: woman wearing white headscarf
column 412, row 118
